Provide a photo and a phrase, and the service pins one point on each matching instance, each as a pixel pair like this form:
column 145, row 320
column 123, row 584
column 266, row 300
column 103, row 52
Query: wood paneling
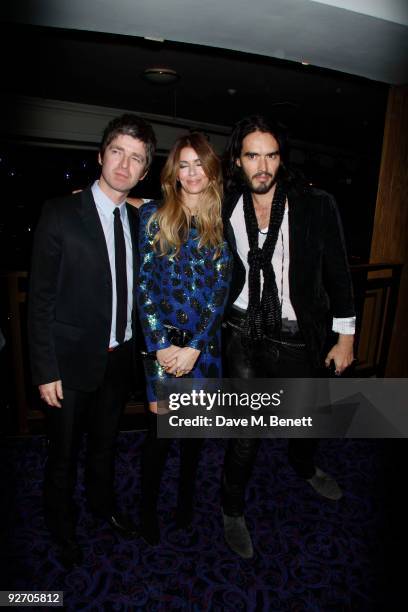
column 390, row 234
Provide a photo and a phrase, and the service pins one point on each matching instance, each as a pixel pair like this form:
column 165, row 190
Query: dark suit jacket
column 319, row 277
column 70, row 298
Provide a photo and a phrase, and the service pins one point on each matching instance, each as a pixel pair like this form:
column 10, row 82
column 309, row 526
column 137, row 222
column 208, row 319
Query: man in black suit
column 290, row 285
column 82, row 327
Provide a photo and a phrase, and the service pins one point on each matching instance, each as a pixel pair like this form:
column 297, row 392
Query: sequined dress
column 188, row 292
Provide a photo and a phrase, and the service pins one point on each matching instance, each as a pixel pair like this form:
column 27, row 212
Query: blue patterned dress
column 188, row 292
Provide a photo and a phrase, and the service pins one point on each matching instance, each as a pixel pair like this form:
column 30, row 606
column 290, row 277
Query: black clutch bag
column 177, row 337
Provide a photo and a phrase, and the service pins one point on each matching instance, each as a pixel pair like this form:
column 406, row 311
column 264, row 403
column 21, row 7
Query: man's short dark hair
column 130, row 125
column 248, row 125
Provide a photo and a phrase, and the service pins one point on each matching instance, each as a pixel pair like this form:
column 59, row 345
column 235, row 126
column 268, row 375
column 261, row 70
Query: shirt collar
column 105, row 204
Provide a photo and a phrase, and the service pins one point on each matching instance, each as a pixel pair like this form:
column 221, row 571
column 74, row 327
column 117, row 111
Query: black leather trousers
column 272, row 360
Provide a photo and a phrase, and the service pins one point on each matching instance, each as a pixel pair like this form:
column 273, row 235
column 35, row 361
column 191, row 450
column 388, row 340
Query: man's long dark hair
column 234, row 179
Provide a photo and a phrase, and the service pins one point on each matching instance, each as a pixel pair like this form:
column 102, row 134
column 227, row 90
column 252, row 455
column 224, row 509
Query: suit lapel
column 133, row 217
column 229, row 204
column 299, row 228
column 90, row 219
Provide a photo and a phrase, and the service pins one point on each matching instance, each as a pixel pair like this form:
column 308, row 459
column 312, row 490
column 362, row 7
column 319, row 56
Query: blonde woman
column 183, row 287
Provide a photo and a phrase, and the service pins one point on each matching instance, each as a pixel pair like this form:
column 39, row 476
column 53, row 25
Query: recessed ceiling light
column 162, row 76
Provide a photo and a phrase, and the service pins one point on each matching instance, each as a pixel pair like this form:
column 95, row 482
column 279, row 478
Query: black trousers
column 272, row 360
column 97, row 412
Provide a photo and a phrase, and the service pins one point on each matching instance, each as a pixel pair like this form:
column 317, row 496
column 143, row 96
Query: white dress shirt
column 105, row 208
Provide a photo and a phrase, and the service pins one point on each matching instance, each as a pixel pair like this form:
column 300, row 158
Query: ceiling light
column 163, row 76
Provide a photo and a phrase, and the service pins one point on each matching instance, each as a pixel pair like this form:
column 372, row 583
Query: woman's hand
column 167, row 356
column 185, row 361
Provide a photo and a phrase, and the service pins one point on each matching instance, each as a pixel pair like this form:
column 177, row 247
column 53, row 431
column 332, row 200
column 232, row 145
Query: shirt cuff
column 346, row 325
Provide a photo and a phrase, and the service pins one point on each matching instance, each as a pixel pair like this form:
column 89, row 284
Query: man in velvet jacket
column 290, row 289
column 81, row 327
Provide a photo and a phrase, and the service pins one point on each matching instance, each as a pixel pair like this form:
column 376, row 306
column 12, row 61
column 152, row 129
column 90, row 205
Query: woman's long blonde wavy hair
column 173, row 219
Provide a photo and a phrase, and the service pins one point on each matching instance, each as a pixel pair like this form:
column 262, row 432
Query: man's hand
column 167, row 356
column 341, row 353
column 185, row 361
column 51, row 393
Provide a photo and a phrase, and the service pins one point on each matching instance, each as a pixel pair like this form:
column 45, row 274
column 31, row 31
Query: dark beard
column 261, row 189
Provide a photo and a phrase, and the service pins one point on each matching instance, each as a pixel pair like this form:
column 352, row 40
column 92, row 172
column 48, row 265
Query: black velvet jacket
column 319, row 277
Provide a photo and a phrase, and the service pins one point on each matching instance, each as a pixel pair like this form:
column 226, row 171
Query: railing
column 376, row 289
column 13, row 287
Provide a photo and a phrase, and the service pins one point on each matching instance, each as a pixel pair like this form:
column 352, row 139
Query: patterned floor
column 311, row 554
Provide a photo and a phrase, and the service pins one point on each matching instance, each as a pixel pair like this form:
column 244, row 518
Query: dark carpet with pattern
column 311, row 554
